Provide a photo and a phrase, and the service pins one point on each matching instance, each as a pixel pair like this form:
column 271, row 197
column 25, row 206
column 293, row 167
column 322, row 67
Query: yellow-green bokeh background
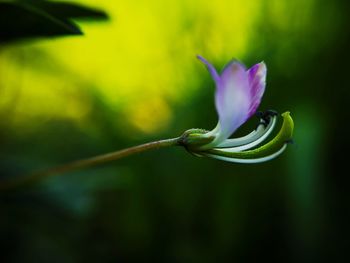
column 135, row 78
column 143, row 60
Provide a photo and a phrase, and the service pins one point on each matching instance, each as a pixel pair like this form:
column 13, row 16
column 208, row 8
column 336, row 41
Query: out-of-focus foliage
column 38, row 18
column 149, row 52
column 135, row 78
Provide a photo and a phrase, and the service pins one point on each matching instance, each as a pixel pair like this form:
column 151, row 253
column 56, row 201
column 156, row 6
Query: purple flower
column 238, row 95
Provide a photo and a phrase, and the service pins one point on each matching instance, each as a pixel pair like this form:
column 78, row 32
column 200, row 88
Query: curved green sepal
column 284, row 136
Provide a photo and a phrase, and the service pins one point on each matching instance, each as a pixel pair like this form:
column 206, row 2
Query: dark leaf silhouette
column 28, row 19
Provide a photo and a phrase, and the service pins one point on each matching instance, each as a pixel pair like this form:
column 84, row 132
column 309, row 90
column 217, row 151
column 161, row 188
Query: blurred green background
column 135, row 78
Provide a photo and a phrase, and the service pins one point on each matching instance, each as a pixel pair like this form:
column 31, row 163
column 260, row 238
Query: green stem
column 84, row 163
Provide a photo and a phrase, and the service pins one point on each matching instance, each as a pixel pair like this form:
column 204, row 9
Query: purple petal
column 257, row 82
column 238, row 95
column 232, row 99
column 210, row 68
